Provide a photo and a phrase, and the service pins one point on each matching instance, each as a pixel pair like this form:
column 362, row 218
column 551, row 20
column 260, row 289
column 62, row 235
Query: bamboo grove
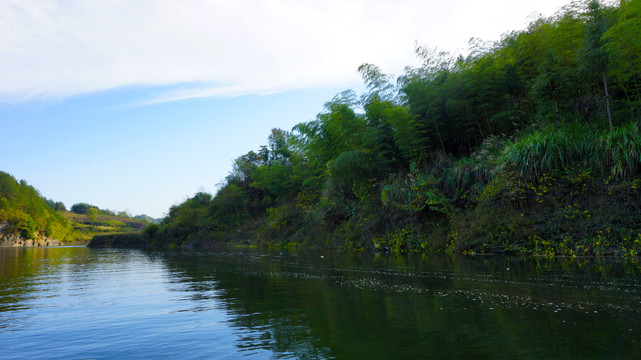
column 527, row 145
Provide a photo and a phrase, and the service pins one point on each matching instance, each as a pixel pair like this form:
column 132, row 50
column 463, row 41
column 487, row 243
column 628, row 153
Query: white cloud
column 60, row 48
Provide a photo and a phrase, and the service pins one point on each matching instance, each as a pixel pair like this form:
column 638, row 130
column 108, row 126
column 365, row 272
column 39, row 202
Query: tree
column 595, row 58
column 336, row 130
column 60, row 206
column 92, row 215
column 552, row 85
column 279, row 146
column 56, row 205
column 27, row 212
column 623, row 43
column 80, row 208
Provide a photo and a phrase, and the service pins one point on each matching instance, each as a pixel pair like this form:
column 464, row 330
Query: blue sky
column 134, row 106
column 98, row 149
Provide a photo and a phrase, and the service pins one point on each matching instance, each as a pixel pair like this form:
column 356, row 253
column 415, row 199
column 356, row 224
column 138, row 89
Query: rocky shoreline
column 15, row 240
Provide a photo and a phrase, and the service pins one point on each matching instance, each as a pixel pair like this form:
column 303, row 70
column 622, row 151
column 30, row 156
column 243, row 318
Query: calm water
column 80, row 303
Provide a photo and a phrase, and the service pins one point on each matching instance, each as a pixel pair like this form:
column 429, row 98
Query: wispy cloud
column 56, row 49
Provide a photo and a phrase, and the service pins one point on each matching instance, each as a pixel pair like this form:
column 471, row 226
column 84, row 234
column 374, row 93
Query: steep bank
column 27, row 218
column 569, row 212
column 529, row 145
column 14, row 239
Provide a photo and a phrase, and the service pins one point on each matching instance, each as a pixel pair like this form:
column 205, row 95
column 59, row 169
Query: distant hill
column 147, row 219
column 101, row 223
column 27, row 218
column 84, row 208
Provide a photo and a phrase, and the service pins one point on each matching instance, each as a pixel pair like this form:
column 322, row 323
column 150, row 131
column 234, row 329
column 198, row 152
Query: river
column 81, row 303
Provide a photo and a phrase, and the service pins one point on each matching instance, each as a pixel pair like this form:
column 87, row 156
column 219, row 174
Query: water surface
column 80, row 303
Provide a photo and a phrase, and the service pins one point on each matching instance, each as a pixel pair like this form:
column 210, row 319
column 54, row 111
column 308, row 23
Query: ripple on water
column 124, row 304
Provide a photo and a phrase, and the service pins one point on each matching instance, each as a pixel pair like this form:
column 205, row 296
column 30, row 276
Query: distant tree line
column 84, row 208
column 56, row 205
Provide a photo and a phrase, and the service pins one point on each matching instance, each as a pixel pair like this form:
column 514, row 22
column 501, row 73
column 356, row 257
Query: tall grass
column 621, row 150
column 616, row 153
column 476, row 170
column 546, row 149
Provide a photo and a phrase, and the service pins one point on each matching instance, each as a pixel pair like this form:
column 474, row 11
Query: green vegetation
column 147, row 219
column 92, row 210
column 90, row 221
column 96, row 222
column 27, row 213
column 529, row 145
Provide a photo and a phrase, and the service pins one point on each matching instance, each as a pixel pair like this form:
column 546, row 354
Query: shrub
column 621, row 150
column 150, row 231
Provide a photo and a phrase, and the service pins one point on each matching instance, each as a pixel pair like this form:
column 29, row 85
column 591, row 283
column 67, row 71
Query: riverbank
column 15, row 239
column 529, row 146
column 431, row 164
column 564, row 212
column 121, row 240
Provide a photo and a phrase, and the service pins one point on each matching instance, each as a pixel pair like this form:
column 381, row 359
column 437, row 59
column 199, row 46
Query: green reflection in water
column 382, row 307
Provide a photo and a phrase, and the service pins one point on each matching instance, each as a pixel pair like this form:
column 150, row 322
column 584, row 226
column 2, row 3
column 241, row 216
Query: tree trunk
column 439, row 134
column 607, row 100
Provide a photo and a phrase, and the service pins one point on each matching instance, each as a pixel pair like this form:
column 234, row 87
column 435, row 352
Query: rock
column 13, row 239
column 52, row 242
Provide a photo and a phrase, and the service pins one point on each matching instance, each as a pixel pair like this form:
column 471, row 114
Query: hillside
column 28, row 219
column 85, row 227
column 148, row 219
column 24, row 215
column 529, row 145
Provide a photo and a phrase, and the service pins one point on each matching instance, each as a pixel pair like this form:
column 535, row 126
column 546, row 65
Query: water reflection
column 311, row 305
column 410, row 307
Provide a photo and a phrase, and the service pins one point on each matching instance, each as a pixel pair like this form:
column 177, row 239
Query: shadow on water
column 333, row 305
